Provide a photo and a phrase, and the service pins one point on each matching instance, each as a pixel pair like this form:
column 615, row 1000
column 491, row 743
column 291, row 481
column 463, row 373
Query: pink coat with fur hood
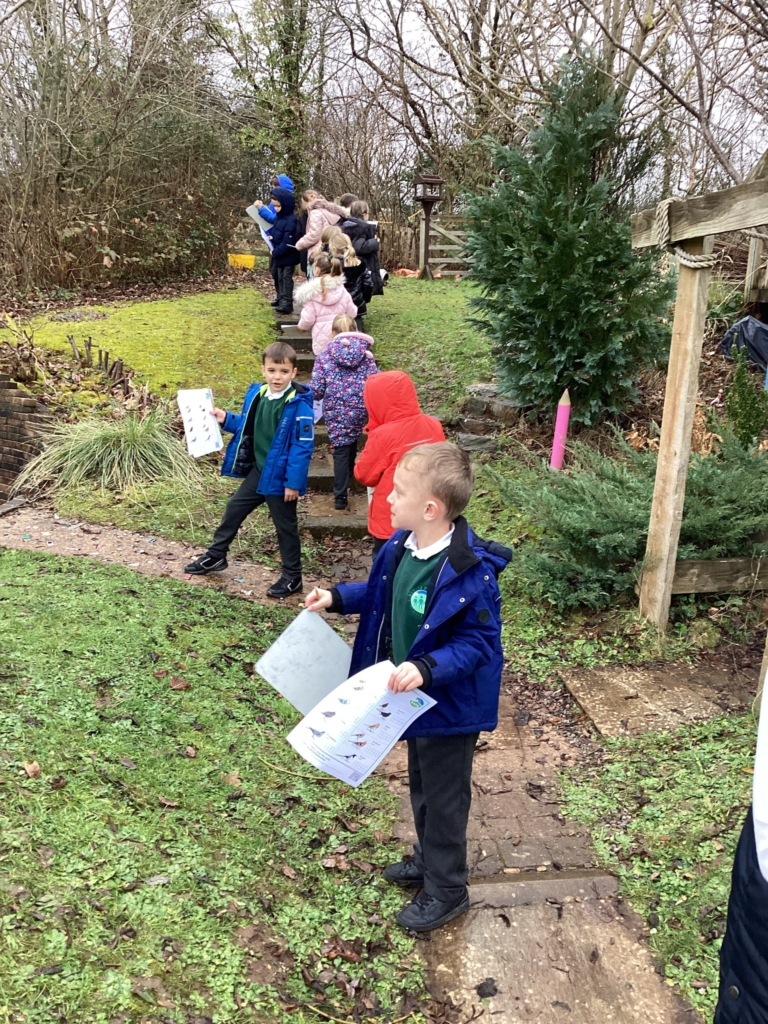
column 322, row 215
column 318, row 311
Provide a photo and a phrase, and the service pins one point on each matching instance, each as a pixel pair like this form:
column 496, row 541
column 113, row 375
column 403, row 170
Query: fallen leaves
column 177, row 683
column 337, row 862
column 126, row 762
column 165, row 802
column 289, row 872
column 232, row 779
column 32, row 768
column 59, row 782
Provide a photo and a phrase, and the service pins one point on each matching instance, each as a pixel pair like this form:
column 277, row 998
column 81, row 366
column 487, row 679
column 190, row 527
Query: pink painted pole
column 561, row 431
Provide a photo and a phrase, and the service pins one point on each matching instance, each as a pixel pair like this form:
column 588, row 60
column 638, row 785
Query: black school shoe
column 204, row 564
column 285, row 586
column 284, row 310
column 427, row 913
column 275, row 302
column 405, row 873
column 341, row 503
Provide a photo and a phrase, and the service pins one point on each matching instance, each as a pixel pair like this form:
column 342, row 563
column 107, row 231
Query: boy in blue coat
column 285, row 255
column 432, row 605
column 272, row 447
column 267, row 210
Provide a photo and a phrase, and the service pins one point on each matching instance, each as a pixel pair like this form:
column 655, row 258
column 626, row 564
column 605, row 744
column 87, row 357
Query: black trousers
column 344, row 457
column 440, row 776
column 283, row 278
column 284, row 516
column 378, row 544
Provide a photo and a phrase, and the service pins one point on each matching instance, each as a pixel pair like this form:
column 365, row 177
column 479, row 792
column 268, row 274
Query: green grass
column 421, row 327
column 130, row 863
column 213, row 340
column 665, row 812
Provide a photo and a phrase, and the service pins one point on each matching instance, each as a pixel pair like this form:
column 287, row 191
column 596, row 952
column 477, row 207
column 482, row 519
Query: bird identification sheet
column 200, row 425
column 264, row 226
column 350, row 732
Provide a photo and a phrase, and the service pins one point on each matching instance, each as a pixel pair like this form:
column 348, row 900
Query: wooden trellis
column 693, row 223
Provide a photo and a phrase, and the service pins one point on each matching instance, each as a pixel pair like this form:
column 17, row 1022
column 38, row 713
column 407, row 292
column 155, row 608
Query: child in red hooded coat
column 395, row 424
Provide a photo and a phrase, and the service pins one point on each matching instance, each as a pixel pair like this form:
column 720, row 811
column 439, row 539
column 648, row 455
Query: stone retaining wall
column 21, row 419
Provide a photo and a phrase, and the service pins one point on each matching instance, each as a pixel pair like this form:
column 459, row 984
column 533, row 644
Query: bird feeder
column 427, row 190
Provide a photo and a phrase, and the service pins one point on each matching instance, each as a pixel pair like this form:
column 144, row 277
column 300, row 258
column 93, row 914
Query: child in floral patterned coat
column 338, row 378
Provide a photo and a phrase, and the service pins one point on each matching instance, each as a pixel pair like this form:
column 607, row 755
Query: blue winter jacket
column 285, row 230
column 458, row 648
column 268, row 212
column 289, row 456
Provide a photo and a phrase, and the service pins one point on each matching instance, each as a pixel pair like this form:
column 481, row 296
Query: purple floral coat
column 338, row 378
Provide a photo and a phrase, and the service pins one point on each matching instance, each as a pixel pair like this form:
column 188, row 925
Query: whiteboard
column 306, row 662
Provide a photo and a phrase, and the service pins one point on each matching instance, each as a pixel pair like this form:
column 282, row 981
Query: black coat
column 284, row 232
column 744, row 953
column 362, row 235
column 357, row 281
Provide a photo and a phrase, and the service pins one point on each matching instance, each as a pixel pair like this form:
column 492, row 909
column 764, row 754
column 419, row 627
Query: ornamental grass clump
column 114, row 455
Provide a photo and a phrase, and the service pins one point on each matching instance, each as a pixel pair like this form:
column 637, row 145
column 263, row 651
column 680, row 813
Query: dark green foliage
column 564, row 298
column 596, row 517
column 747, row 408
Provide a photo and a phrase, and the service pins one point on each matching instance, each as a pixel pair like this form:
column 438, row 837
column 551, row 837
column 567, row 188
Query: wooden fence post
column 675, row 444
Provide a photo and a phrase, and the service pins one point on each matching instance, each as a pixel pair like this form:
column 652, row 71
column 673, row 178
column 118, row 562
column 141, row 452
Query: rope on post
column 664, row 232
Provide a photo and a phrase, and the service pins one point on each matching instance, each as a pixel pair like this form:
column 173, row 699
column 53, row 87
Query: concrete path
column 546, row 938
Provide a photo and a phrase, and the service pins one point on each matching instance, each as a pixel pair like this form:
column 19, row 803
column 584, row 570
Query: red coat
column 395, row 424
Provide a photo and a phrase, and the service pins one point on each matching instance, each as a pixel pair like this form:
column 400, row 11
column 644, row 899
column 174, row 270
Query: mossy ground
column 214, row 339
column 421, row 327
column 165, row 864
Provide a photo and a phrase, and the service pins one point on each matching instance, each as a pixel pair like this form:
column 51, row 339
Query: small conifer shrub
column 747, row 407
column 563, row 297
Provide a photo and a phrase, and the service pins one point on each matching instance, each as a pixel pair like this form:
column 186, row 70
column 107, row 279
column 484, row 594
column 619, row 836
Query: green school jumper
column 264, row 426
column 409, row 601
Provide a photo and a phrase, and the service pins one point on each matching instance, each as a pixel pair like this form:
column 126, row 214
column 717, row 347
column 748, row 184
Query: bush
column 596, row 517
column 564, row 298
column 114, row 454
column 747, row 408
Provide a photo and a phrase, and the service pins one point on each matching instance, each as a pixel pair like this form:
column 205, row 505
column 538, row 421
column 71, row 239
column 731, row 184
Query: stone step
column 321, row 478
column 321, row 437
column 304, row 363
column 323, row 519
column 300, row 340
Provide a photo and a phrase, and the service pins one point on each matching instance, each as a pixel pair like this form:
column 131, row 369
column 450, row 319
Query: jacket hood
column 285, row 182
column 286, row 199
column 308, row 291
column 349, row 350
column 390, row 396
column 324, row 204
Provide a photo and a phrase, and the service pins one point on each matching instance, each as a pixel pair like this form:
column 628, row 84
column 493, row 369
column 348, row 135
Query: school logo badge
column 419, row 601
column 417, row 702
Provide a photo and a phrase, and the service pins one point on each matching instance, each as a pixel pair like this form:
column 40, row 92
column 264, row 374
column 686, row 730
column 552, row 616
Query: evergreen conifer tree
column 565, row 300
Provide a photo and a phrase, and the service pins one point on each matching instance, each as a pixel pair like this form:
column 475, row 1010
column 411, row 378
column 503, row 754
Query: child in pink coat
column 322, row 299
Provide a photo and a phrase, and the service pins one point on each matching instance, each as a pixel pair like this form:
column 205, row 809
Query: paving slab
column 552, row 959
column 628, row 700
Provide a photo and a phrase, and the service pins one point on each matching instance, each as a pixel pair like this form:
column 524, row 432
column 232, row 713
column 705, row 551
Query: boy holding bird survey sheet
column 432, row 606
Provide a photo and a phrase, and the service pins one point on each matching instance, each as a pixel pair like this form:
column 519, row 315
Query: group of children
column 432, row 602
column 328, row 240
